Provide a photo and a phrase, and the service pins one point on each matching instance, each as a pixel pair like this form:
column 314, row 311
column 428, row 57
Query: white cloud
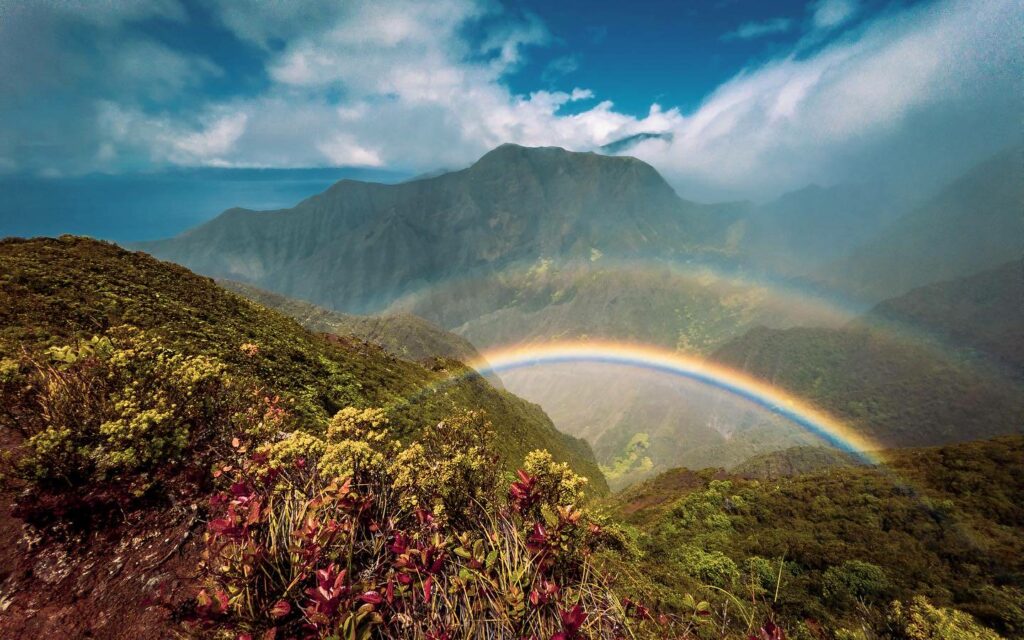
column 829, row 14
column 58, row 58
column 399, row 83
column 416, row 92
column 580, row 94
column 213, row 141
column 750, row 30
column 343, row 150
column 798, row 119
column 210, row 141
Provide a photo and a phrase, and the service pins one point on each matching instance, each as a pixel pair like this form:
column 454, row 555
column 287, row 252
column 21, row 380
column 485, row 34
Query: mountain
column 401, row 334
column 833, row 548
column 360, row 245
column 916, row 369
column 693, row 308
column 803, row 230
column 59, row 290
column 898, row 391
column 974, row 223
column 983, row 312
column 794, row 461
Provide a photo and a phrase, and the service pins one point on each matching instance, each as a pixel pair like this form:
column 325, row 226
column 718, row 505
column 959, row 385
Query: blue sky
column 759, row 97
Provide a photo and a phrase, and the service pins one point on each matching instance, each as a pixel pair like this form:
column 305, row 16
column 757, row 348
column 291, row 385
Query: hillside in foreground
column 401, row 334
column 830, row 549
column 126, row 381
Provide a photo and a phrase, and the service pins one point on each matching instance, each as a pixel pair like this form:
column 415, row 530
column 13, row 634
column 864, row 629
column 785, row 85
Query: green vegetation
column 401, row 334
column 141, row 362
column 835, row 548
column 899, row 392
column 355, row 536
column 344, row 492
column 982, row 314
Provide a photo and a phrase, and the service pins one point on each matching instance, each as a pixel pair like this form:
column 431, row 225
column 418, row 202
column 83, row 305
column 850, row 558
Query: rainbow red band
column 813, row 420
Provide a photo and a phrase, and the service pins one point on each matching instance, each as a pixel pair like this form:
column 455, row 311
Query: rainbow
column 800, row 412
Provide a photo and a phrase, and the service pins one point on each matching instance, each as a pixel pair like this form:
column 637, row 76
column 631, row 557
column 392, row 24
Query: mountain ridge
column 357, row 246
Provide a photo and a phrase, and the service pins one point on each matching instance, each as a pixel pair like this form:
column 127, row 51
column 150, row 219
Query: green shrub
column 113, row 409
column 714, row 567
column 920, row 620
column 854, row 580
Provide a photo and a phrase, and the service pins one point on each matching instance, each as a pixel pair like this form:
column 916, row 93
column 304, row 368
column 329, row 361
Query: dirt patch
column 100, row 584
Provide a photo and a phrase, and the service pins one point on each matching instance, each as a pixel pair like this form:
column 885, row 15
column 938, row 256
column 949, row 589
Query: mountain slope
column 835, row 547
column 401, row 334
column 975, row 223
column 56, row 290
column 983, row 312
column 801, row 230
column 358, row 246
column 899, row 392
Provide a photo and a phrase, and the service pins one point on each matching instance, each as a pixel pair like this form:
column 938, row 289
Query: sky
column 754, row 98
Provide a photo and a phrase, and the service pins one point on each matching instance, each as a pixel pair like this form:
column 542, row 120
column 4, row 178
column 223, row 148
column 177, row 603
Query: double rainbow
column 813, row 420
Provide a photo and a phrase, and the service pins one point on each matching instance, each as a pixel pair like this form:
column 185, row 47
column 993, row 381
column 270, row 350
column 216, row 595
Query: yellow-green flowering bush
column 920, row 620
column 556, row 481
column 450, row 470
column 112, row 409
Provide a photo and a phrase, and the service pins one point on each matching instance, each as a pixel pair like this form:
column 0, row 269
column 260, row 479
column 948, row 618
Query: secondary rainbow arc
column 783, row 403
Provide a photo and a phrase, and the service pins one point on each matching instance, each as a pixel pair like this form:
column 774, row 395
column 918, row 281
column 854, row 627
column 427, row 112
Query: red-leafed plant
column 409, row 542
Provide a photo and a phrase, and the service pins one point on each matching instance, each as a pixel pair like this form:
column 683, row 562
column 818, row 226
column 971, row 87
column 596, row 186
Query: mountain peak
column 359, row 246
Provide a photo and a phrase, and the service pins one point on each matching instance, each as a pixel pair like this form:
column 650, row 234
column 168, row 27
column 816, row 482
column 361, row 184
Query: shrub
column 854, row 580
column 714, row 567
column 920, row 620
column 108, row 413
column 355, row 535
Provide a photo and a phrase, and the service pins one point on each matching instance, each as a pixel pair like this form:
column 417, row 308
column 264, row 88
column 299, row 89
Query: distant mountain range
column 983, row 312
column 974, row 223
column 358, row 246
column 801, row 231
column 895, row 390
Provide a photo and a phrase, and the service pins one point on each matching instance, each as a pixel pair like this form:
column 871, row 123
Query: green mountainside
column 792, row 462
column 692, row 309
column 983, row 312
column 829, row 550
column 897, row 391
column 53, row 292
column 401, row 334
column 803, row 230
column 973, row 224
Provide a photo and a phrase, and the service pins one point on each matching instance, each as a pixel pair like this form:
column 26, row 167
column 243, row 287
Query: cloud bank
column 410, row 85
